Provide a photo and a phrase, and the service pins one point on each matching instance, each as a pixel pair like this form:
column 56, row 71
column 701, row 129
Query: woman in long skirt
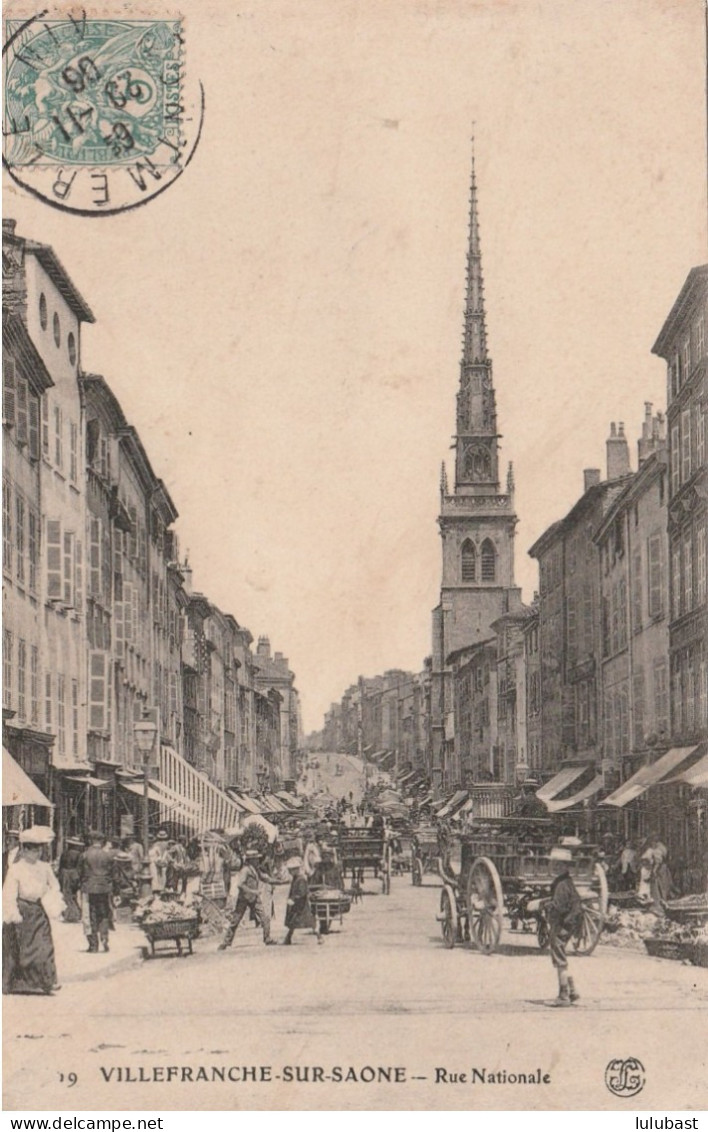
column 28, row 965
column 298, row 913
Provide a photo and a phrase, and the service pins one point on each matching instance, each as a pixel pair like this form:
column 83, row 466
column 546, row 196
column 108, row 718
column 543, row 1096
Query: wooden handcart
column 506, row 869
column 177, row 934
column 328, row 906
column 425, row 853
column 366, row 849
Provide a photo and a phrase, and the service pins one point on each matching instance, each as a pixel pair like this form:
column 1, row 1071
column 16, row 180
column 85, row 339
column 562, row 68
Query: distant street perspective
column 145, row 1031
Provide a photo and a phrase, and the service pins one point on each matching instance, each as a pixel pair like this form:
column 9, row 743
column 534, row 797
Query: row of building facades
column 102, row 625
column 607, row 667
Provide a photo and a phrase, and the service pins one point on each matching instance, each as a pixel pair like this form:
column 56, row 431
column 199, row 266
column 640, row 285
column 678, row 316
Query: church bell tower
column 477, row 520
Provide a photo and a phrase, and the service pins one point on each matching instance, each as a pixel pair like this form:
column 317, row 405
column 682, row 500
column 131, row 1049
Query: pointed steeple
column 475, row 336
column 476, row 465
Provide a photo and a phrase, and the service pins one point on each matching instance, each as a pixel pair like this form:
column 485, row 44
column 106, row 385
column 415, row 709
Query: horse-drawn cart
column 425, row 853
column 506, row 868
column 366, row 849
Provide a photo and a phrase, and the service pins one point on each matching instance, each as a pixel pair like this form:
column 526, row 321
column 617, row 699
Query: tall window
column 48, row 700
column 22, row 679
column 687, row 572
column 685, row 445
column 638, row 705
column 661, row 695
column 701, row 565
column 73, row 451
column 489, row 561
column 34, row 684
column 700, row 436
column 32, row 548
column 75, row 717
column 61, row 712
column 675, row 458
column 636, row 591
column 58, row 437
column 655, row 575
column 676, row 579
column 469, row 561
column 622, row 613
column 6, row 668
column 6, row 526
column 20, row 537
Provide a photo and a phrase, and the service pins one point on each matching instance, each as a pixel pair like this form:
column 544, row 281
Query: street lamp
column 145, row 733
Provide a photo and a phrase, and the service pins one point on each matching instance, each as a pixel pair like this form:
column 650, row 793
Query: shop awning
column 577, row 799
column 648, row 776
column 139, row 789
column 275, row 804
column 388, row 759
column 560, row 782
column 87, row 780
column 454, row 804
column 18, row 789
column 426, row 800
column 378, row 755
column 695, row 775
column 289, row 799
column 244, row 801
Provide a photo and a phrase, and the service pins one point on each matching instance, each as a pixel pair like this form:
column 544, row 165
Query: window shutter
column 655, row 575
column 44, row 414
column 33, row 427
column 107, row 564
column 78, row 575
column 128, row 612
column 97, row 691
column 54, row 559
column 95, row 558
column 68, row 578
column 118, row 630
column 21, row 396
column 9, row 400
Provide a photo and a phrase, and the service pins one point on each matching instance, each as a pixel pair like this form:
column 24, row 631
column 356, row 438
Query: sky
column 283, row 325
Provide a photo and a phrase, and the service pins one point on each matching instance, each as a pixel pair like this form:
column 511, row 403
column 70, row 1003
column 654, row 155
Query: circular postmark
column 99, row 115
column 625, row 1076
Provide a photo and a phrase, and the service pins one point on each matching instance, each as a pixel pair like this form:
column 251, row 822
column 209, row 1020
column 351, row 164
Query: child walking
column 564, row 911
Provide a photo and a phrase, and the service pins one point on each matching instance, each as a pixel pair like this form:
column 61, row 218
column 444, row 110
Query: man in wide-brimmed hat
column 97, row 886
column 564, row 912
column 248, row 898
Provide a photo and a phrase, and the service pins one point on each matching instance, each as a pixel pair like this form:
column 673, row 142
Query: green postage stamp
column 97, row 117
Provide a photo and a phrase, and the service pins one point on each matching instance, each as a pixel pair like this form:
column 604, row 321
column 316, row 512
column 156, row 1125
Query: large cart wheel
column 485, row 904
column 448, row 917
column 386, row 877
column 417, row 872
column 594, row 914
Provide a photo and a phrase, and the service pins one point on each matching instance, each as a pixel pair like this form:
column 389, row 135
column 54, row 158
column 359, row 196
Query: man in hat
column 564, row 912
column 97, row 886
column 248, row 898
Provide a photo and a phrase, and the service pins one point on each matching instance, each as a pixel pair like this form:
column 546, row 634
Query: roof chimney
column 617, row 452
column 591, row 476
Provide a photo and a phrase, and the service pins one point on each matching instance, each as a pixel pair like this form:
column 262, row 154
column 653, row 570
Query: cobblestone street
column 366, row 998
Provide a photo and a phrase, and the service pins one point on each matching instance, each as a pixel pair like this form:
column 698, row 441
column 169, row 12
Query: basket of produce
column 168, row 919
column 687, row 909
column 662, row 948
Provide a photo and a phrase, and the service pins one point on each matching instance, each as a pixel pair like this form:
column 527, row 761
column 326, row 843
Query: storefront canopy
column 559, row 783
column 667, row 766
column 695, row 775
column 289, row 799
column 594, row 787
column 139, row 789
column 454, row 804
column 18, row 789
column 244, row 802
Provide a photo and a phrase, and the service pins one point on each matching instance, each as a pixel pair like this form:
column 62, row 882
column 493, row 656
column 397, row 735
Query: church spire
column 477, row 461
column 475, row 336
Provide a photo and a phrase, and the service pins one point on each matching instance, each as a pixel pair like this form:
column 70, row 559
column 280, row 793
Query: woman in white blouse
column 28, row 964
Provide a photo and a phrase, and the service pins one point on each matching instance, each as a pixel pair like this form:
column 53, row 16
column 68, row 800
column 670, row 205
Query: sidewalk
column 75, row 963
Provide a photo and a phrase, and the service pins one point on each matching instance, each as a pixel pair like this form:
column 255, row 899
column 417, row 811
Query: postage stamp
column 97, row 115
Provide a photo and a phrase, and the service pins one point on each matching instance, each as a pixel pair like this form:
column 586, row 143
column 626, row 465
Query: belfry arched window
column 489, row 561
column 469, row 561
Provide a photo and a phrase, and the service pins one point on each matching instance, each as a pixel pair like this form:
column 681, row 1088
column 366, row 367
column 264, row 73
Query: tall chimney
column 617, row 452
column 591, row 476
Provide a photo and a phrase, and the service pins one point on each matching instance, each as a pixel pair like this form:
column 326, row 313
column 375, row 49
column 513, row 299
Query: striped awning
column 560, row 782
column 696, row 775
column 454, row 804
column 668, row 766
column 594, row 787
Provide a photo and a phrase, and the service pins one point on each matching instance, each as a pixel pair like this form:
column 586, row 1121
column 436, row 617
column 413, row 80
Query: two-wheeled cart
column 366, row 850
column 506, row 869
column 328, row 905
column 425, row 853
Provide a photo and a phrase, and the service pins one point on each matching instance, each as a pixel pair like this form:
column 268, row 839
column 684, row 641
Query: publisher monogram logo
column 625, row 1077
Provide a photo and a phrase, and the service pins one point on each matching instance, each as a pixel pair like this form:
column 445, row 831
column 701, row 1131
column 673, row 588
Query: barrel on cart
column 506, row 869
